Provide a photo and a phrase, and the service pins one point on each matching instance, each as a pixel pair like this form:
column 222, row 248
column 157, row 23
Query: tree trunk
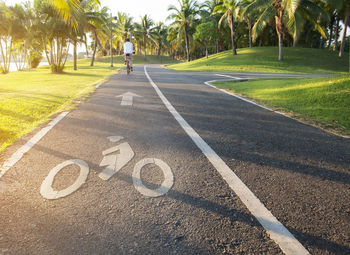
column 346, row 23
column 330, row 31
column 144, row 45
column 294, row 43
column 3, row 57
column 94, row 53
column 75, row 57
column 280, row 47
column 86, row 49
column 280, row 32
column 220, row 42
column 250, row 32
column 336, row 34
column 234, row 51
column 206, row 49
column 187, row 45
column 160, row 48
column 53, row 68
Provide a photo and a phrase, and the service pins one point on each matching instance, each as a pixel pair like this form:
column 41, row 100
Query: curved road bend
column 300, row 173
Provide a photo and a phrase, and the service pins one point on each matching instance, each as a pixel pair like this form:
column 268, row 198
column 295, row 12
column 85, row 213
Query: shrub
column 35, row 58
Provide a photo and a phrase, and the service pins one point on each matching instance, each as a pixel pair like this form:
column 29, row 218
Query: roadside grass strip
column 264, row 59
column 280, row 234
column 321, row 102
column 29, row 98
column 17, row 156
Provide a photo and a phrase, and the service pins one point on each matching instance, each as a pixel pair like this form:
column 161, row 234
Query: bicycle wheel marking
column 48, row 192
column 165, row 186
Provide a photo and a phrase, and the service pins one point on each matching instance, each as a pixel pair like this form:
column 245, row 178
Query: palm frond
column 262, row 21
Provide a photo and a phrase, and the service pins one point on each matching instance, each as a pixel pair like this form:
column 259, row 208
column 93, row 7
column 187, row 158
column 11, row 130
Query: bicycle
column 128, row 65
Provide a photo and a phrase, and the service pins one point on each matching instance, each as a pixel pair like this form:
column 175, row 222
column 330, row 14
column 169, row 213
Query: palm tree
column 306, row 11
column 346, row 8
column 208, row 15
column 20, row 19
column 145, row 28
column 68, row 10
column 5, row 38
column 12, row 35
column 54, row 33
column 229, row 10
column 160, row 34
column 289, row 15
column 248, row 18
column 124, row 29
column 184, row 18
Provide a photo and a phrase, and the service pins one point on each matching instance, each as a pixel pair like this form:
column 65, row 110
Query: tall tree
column 146, row 29
column 68, row 10
column 184, row 18
column 208, row 15
column 206, row 34
column 288, row 15
column 248, row 18
column 229, row 10
column 12, row 33
column 160, row 34
column 346, row 8
column 124, row 29
column 98, row 26
column 89, row 18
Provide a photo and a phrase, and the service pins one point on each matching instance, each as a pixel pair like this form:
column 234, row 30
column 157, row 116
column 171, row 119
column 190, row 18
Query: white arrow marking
column 127, row 98
column 115, row 162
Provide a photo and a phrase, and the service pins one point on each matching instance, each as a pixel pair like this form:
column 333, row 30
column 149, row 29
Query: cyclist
column 128, row 51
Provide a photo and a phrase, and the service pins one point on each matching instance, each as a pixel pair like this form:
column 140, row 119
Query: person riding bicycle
column 128, row 51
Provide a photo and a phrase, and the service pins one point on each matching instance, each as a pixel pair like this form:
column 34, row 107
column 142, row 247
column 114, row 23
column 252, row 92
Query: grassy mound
column 264, row 59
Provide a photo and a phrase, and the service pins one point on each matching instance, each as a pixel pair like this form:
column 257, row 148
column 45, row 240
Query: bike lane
column 300, row 173
column 199, row 214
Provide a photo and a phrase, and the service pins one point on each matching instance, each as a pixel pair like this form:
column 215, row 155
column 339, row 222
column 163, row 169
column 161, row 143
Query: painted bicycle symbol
column 113, row 163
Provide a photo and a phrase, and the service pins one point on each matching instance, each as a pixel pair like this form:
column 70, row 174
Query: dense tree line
column 50, row 28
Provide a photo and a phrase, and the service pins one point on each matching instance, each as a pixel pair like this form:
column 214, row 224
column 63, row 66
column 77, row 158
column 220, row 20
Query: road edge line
column 264, row 107
column 277, row 231
column 17, row 156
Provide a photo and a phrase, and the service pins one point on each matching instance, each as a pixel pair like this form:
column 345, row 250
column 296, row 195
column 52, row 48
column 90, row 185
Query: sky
column 157, row 9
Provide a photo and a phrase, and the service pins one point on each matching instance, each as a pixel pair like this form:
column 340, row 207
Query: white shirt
column 128, row 48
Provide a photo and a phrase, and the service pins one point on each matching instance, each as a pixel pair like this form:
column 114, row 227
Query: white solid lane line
column 279, row 233
column 25, row 148
column 232, row 77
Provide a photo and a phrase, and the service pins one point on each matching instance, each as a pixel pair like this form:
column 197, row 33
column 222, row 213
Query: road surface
column 167, row 165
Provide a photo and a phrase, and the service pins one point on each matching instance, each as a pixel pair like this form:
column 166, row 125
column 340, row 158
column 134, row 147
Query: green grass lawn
column 264, row 59
column 29, row 98
column 321, row 101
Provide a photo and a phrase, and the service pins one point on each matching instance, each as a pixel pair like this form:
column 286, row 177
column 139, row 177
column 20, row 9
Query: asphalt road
column 301, row 174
